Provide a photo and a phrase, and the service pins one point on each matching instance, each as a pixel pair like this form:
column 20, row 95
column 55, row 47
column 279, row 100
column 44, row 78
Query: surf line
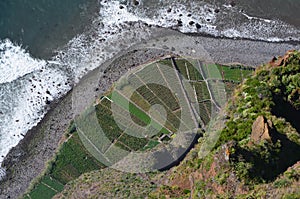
column 250, row 18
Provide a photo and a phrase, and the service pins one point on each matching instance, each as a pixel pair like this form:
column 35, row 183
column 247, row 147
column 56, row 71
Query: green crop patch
column 132, row 142
column 137, row 99
column 235, row 73
column 150, row 145
column 123, row 146
column 166, row 62
column 53, row 183
column 165, row 95
column 42, row 191
column 201, row 91
column 73, row 160
column 182, row 68
column 205, row 111
column 47, row 188
column 188, row 70
column 139, row 114
column 232, row 73
column 148, row 95
column 107, row 122
column 133, row 109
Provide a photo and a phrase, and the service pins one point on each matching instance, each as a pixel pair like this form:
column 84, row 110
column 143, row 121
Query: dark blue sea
column 46, row 46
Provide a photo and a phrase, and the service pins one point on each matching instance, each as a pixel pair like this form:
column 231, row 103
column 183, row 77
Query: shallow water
column 42, row 25
column 285, row 10
column 47, row 46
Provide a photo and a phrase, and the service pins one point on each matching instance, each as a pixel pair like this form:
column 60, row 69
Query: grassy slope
column 263, row 170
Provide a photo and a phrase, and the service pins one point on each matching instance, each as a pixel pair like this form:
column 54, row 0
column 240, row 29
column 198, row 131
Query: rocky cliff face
column 260, row 130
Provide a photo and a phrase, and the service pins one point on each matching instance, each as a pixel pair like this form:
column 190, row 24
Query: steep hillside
column 258, row 153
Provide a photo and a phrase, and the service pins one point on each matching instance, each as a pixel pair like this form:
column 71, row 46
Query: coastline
column 28, row 159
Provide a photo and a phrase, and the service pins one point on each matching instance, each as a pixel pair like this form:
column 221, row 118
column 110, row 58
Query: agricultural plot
column 71, row 161
column 188, row 70
column 230, row 74
column 205, row 81
column 122, row 138
column 210, row 71
column 205, row 109
column 106, row 121
column 166, row 62
column 139, row 100
column 136, row 112
column 139, row 124
column 235, row 73
column 200, row 88
column 47, row 188
column 132, row 142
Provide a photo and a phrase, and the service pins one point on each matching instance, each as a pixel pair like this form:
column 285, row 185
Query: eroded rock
column 261, row 130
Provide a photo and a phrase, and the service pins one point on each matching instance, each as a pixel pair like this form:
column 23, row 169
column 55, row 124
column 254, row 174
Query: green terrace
column 136, row 115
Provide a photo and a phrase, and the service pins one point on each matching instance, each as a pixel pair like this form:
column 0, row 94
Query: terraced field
column 148, row 109
column 71, row 161
column 46, row 189
column 142, row 125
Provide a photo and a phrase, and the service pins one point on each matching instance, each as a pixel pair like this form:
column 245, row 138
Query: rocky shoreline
column 28, row 159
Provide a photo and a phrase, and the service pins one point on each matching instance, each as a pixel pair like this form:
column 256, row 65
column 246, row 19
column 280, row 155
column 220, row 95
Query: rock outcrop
column 261, row 130
column 281, row 61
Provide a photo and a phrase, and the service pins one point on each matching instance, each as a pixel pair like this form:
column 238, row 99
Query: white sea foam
column 33, row 83
column 14, row 62
column 226, row 22
column 250, row 17
column 23, row 98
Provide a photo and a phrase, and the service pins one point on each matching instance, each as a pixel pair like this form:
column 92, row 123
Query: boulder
column 136, row 2
column 261, row 130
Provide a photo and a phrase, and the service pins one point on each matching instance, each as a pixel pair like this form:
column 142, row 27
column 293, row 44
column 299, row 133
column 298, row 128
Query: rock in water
column 260, row 130
column 136, row 2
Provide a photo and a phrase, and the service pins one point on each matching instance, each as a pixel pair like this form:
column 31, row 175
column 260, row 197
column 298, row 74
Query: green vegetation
column 107, row 121
column 147, row 95
column 205, row 111
column 108, row 183
column 134, row 110
column 267, row 93
column 188, row 70
column 73, row 159
column 115, row 134
column 260, row 95
column 47, row 188
column 235, row 73
column 268, row 168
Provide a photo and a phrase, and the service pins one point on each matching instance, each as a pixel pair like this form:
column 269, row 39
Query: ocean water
column 47, row 46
